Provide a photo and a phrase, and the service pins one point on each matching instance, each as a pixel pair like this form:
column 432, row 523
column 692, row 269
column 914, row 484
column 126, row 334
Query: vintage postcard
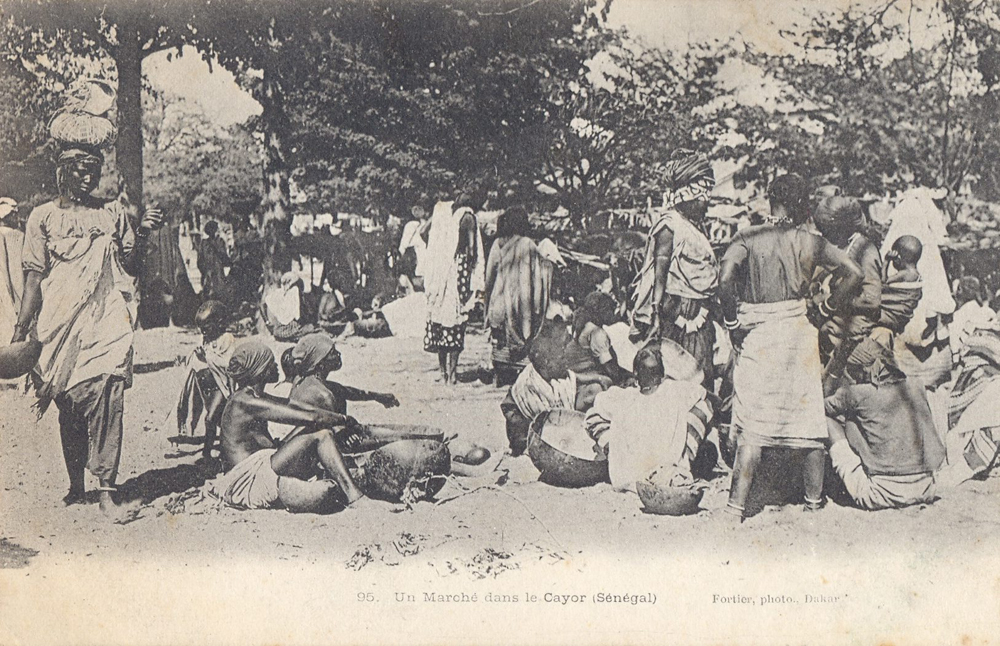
column 499, row 322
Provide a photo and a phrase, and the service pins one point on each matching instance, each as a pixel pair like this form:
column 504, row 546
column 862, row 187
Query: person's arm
column 467, row 236
column 869, row 299
column 846, row 273
column 276, row 410
column 492, row 269
column 839, row 403
column 35, row 262
column 31, row 302
column 133, row 243
column 662, row 252
column 733, row 259
column 351, row 394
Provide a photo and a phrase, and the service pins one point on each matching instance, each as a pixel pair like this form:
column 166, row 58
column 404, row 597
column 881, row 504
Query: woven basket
column 82, row 129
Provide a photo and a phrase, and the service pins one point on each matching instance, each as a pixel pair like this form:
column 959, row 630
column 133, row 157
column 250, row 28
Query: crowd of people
column 812, row 333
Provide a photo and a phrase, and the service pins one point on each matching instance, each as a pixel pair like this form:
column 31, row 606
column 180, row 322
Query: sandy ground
column 522, row 531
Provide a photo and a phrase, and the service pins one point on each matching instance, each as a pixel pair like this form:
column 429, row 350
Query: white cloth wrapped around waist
column 778, row 377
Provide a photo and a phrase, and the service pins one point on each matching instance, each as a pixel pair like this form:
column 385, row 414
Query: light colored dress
column 87, row 320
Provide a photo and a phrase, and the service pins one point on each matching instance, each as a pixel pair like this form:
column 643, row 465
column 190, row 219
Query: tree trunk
column 128, row 155
column 275, row 221
column 128, row 150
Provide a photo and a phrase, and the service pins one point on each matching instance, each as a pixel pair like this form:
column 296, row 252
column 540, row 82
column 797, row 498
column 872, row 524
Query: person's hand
column 151, row 220
column 199, row 352
column 388, row 400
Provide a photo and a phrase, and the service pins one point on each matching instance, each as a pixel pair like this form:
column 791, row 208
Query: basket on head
column 667, row 500
column 561, row 450
column 17, row 359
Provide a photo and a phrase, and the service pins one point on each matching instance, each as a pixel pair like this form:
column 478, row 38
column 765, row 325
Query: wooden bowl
column 669, row 501
column 561, row 450
column 17, row 359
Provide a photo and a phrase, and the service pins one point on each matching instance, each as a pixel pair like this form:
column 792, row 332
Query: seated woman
column 262, row 473
column 883, row 444
column 544, row 384
column 313, row 358
column 590, row 354
column 658, row 427
column 281, row 309
column 208, row 385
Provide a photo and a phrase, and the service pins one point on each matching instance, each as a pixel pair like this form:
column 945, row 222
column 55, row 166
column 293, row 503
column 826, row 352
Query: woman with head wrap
column 261, row 472
column 80, row 256
column 671, row 295
column 454, row 276
column 841, row 220
column 777, row 377
column 313, row 358
column 518, row 283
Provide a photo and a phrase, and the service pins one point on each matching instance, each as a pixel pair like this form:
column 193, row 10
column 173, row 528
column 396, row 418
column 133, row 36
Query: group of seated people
column 653, row 420
column 884, row 443
column 305, row 469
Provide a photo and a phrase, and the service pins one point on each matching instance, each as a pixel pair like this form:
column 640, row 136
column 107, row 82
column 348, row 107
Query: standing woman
column 673, row 292
column 777, row 379
column 454, row 275
column 518, row 285
column 80, row 258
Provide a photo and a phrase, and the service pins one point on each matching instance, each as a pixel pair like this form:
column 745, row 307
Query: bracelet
column 731, row 325
column 22, row 327
column 824, row 308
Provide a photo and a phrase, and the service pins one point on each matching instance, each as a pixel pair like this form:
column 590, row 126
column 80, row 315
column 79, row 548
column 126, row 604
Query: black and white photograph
column 499, row 322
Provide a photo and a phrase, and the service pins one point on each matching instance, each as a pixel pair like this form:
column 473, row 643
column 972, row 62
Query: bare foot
column 107, row 502
column 74, row 497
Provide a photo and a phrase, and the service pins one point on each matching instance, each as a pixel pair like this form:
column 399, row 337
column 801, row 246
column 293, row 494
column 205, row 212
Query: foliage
column 890, row 112
column 193, row 167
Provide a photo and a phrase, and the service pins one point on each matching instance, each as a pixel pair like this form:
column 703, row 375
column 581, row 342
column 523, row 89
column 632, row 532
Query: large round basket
column 17, row 359
column 669, row 501
column 561, row 450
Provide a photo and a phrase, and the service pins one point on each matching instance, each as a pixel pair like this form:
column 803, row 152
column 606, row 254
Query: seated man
column 208, row 384
column 883, row 443
column 313, row 358
column 659, row 426
column 260, row 472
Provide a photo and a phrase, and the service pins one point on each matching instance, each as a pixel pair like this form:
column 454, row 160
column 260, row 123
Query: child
column 208, row 385
column 902, row 291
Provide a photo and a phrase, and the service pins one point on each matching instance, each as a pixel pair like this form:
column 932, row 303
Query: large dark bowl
column 561, row 450
column 17, row 359
column 407, row 470
column 669, row 501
